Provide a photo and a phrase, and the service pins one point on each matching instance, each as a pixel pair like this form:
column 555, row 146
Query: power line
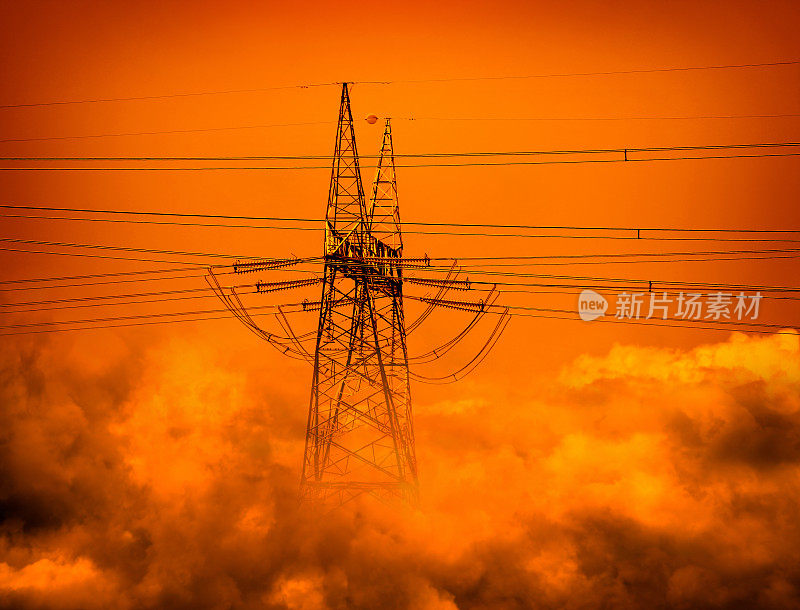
column 547, row 289
column 115, row 303
column 651, row 284
column 106, row 297
column 113, row 300
column 768, row 254
column 609, row 255
column 636, row 234
column 118, row 300
column 161, row 132
column 606, row 237
column 406, row 166
column 632, row 283
column 628, row 261
column 605, row 118
column 412, row 232
column 103, row 256
column 443, row 233
column 516, row 315
column 400, row 262
column 572, row 74
column 287, row 309
column 125, row 325
column 101, row 275
column 159, row 222
column 616, row 284
column 410, row 119
column 477, row 271
column 107, row 282
column 622, row 283
column 163, row 96
column 524, row 314
column 121, row 248
column 500, row 153
column 494, row 308
column 260, row 259
column 403, row 223
column 95, row 282
column 131, row 317
column 399, row 81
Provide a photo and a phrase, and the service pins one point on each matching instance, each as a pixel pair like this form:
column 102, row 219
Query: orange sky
column 168, row 48
column 203, row 397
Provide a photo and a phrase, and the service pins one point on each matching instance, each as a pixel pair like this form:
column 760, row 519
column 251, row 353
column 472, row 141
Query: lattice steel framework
column 360, row 436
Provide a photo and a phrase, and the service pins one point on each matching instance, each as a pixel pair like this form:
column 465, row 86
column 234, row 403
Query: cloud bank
column 162, row 476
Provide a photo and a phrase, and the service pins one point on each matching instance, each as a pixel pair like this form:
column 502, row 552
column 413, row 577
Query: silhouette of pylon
column 360, row 436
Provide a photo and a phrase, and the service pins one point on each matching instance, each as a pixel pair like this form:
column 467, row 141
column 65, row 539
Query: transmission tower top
column 384, row 213
column 346, row 209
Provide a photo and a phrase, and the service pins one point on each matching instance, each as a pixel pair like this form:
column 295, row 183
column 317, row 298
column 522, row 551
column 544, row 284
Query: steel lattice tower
column 360, row 437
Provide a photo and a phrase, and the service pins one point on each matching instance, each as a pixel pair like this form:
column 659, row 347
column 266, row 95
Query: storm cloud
column 162, row 476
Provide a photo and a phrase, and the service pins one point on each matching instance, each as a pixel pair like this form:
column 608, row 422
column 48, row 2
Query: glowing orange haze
column 166, row 476
column 585, row 465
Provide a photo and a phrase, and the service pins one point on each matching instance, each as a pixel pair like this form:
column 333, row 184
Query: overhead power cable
column 651, row 284
column 125, row 318
column 123, row 325
column 100, row 275
column 500, row 309
column 635, row 234
column 633, row 228
column 574, row 74
column 523, row 314
column 475, row 270
column 115, row 303
column 640, row 238
column 107, row 297
column 731, row 324
column 638, row 259
column 162, row 96
column 104, row 256
column 405, row 166
column 106, row 282
column 436, row 155
column 536, row 288
column 625, row 158
column 161, row 132
column 194, row 263
column 122, row 248
column 600, row 118
column 104, row 301
column 409, row 118
column 526, row 260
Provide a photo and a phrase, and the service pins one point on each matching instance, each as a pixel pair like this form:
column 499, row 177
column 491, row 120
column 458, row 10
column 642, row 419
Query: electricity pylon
column 360, row 437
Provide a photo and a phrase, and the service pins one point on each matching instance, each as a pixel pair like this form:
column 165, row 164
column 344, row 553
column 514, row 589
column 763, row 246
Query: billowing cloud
column 164, row 476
